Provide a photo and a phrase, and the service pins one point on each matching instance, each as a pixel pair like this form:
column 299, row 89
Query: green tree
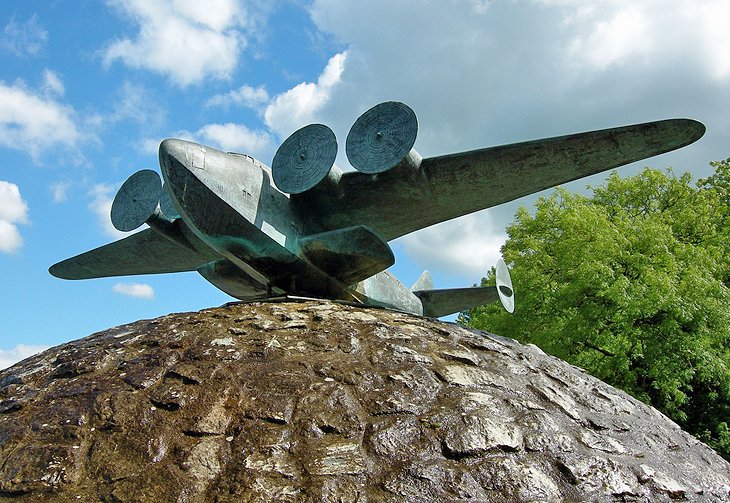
column 632, row 284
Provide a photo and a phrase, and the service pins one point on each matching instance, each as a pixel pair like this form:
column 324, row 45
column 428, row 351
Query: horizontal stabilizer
column 437, row 303
column 145, row 252
column 349, row 255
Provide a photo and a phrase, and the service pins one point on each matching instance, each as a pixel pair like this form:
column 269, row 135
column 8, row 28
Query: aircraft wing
column 397, row 202
column 145, row 252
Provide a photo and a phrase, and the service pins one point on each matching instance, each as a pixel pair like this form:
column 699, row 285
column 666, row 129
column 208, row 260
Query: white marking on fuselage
column 274, row 234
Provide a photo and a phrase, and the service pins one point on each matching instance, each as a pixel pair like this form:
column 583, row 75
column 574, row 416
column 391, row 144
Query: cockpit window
column 241, row 155
column 251, row 159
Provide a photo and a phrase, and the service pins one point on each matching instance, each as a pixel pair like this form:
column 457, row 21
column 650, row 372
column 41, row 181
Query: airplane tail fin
column 437, row 303
column 424, row 282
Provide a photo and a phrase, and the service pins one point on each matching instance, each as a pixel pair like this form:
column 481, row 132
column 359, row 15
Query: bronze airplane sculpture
column 316, row 231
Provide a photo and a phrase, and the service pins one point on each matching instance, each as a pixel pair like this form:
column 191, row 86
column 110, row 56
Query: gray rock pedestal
column 316, row 401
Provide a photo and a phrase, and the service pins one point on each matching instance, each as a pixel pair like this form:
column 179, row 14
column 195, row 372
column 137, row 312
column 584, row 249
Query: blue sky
column 89, row 88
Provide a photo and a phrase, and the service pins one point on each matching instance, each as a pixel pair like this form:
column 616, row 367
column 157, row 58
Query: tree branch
column 604, row 352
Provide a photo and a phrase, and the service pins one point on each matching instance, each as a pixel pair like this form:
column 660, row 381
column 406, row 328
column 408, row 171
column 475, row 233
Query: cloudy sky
column 89, row 88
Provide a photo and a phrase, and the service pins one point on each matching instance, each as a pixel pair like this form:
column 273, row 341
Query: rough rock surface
column 316, row 401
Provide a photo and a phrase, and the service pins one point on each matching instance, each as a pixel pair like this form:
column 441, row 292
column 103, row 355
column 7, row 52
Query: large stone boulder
column 317, row 401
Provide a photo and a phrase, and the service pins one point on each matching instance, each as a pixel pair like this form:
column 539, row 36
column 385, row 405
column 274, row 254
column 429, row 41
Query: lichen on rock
column 318, row 401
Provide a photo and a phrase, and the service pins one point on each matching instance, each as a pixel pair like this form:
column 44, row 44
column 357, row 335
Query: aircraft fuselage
column 305, row 228
column 228, row 201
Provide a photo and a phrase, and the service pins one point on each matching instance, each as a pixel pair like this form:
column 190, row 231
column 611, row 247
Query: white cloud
column 480, row 6
column 236, row 138
column 52, row 84
column 12, row 206
column 613, row 40
column 149, row 146
column 34, row 123
column 9, row 357
column 134, row 102
column 229, row 137
column 647, row 32
column 186, row 40
column 715, row 39
column 247, row 96
column 139, row 290
column 282, row 113
column 102, row 195
column 466, row 247
column 10, row 238
column 24, row 39
column 59, row 191
column 214, row 14
column 13, row 211
column 298, row 106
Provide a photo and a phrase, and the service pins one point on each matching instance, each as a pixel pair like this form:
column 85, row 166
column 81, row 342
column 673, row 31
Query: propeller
column 383, row 138
column 305, row 159
column 137, row 200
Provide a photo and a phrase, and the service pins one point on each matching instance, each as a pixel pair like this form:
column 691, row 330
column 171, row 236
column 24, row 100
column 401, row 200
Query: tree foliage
column 632, row 284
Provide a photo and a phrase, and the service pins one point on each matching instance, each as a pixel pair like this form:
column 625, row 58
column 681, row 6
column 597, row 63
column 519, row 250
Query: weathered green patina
column 305, row 228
